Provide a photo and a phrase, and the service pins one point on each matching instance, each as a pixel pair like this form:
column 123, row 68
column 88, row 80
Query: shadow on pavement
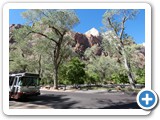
column 119, row 105
column 122, row 105
column 50, row 101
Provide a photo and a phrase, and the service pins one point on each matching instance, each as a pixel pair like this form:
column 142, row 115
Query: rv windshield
column 29, row 81
column 11, row 79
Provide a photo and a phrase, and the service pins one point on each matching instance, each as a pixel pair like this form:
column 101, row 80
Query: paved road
column 77, row 100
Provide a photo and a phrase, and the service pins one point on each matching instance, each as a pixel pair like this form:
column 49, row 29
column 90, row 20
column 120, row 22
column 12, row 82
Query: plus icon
column 147, row 99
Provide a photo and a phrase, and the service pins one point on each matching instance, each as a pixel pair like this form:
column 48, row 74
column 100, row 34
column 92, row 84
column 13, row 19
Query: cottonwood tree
column 51, row 25
column 115, row 20
column 101, row 66
column 19, row 54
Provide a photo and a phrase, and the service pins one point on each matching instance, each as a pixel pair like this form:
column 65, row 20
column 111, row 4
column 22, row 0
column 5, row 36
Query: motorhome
column 23, row 85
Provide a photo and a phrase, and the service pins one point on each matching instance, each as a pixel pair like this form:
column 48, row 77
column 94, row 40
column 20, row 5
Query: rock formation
column 89, row 39
column 93, row 32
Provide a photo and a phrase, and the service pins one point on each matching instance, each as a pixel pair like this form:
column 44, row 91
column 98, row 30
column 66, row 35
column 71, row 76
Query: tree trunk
column 57, row 59
column 40, row 67
column 56, row 78
column 129, row 73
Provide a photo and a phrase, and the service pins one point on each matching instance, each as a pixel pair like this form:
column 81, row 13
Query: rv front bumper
column 27, row 94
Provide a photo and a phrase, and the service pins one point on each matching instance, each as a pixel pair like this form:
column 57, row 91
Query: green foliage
column 60, row 18
column 73, row 72
column 115, row 21
column 46, row 45
column 100, row 67
column 115, row 16
column 63, row 79
column 18, row 63
column 91, row 78
column 46, row 81
column 119, row 78
column 43, row 41
column 140, row 76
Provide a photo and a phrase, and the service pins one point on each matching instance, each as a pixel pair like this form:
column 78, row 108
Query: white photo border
column 9, row 6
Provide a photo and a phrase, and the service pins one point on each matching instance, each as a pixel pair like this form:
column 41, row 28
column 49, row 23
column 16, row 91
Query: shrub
column 140, row 79
column 119, row 78
column 73, row 72
column 91, row 78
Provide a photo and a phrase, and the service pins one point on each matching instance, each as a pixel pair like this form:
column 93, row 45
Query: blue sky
column 90, row 18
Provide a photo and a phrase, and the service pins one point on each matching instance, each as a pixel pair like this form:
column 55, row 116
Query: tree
column 100, row 67
column 50, row 25
column 19, row 52
column 115, row 20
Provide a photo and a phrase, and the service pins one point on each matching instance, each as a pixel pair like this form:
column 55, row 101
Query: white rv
column 23, row 85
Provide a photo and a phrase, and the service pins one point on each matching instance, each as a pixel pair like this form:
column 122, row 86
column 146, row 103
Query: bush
column 140, row 79
column 72, row 72
column 91, row 78
column 46, row 81
column 119, row 78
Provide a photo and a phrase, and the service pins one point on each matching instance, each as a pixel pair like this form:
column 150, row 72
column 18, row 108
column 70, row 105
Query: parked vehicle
column 23, row 85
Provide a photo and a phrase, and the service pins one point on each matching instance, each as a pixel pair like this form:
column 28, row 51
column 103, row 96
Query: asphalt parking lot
column 77, row 100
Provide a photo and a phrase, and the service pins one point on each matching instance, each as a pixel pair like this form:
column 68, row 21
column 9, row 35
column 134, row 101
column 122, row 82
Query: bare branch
column 122, row 29
column 110, row 23
column 57, row 31
column 45, row 36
